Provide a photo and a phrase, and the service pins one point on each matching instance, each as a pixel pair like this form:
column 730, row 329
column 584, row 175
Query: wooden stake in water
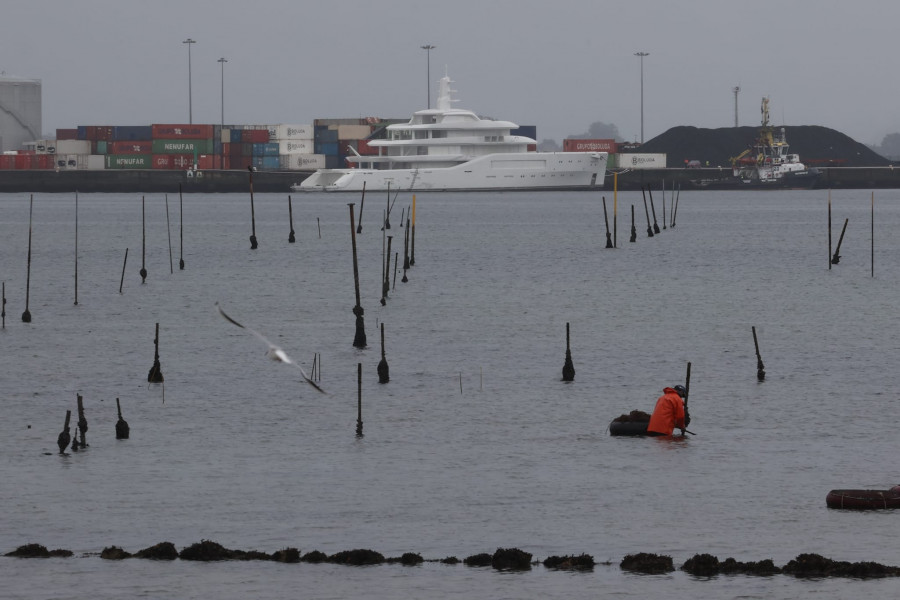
column 76, row 248
column 125, row 262
column 873, row 234
column 664, row 203
column 396, row 263
column 26, row 316
column 359, row 339
column 155, row 375
column 362, row 204
column 3, row 306
column 319, row 225
column 647, row 212
column 609, row 243
column 82, row 421
column 633, row 228
column 122, row 428
column 760, row 367
column 169, row 233
column 412, row 235
column 143, row 270
column 387, row 213
column 653, row 208
column 406, row 251
column 386, row 285
column 253, row 243
column 359, row 421
column 829, row 230
column 837, row 251
column 384, row 372
column 64, row 437
column 568, row 371
column 675, row 210
column 615, row 209
column 181, row 210
column 291, row 237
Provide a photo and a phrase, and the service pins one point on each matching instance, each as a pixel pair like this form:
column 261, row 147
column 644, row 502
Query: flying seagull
column 274, row 352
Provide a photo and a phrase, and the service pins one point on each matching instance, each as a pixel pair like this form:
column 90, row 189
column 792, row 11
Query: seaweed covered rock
column 314, row 557
column 286, row 555
column 582, row 562
column 816, row 565
column 511, row 559
column 408, row 559
column 206, row 550
column 450, row 560
column 114, row 553
column 702, row 565
column 358, row 557
column 161, row 551
column 765, row 567
column 478, row 560
column 643, row 562
column 30, row 551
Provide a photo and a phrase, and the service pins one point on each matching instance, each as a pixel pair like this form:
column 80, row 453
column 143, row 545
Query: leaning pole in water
column 181, row 209
column 359, row 339
column 76, row 248
column 291, row 237
column 253, row 243
column 143, row 243
column 647, row 212
column 615, row 208
column 412, row 235
column 26, row 316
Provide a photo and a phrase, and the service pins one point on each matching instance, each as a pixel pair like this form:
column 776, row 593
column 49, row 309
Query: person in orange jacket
column 669, row 412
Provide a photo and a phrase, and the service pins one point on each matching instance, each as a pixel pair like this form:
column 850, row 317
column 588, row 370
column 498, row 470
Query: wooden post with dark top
column 291, row 237
column 384, row 374
column 26, row 316
column 64, row 437
column 359, row 421
column 155, row 375
column 568, row 371
column 359, row 339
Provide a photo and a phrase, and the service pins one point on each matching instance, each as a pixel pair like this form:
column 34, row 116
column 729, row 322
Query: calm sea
column 475, row 443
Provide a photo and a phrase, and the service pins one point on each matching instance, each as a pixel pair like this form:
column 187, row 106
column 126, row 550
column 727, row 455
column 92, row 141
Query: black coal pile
column 817, row 146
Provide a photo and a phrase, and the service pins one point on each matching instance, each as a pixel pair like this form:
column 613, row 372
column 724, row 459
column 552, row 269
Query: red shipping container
column 43, row 161
column 206, row 161
column 576, row 145
column 183, row 131
column 161, row 161
column 255, row 136
column 135, row 147
column 7, row 161
column 23, row 161
column 363, row 147
column 67, row 134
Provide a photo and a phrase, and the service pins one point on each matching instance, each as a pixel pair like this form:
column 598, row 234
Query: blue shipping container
column 82, row 132
column 132, row 133
column 266, row 163
column 235, row 136
column 270, row 149
column 324, row 135
column 258, row 149
column 329, row 149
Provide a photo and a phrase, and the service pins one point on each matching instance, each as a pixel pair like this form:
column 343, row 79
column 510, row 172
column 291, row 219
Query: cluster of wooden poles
column 65, row 439
column 652, row 229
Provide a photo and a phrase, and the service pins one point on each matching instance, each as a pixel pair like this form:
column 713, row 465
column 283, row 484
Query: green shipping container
column 128, row 161
column 182, row 146
column 101, row 147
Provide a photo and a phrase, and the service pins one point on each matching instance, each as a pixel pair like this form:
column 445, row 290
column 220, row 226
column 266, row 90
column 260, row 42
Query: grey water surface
column 475, row 443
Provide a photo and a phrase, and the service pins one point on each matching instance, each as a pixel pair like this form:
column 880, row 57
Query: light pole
column 736, row 90
column 222, row 61
column 428, row 48
column 189, row 41
column 642, row 55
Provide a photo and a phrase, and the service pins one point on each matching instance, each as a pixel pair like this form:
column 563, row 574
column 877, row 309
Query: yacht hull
column 507, row 172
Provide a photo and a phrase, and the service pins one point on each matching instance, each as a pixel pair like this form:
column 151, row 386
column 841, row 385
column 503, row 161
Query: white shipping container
column 302, row 162
column 296, row 147
column 73, row 147
column 96, row 162
column 353, row 132
column 278, row 133
column 225, row 136
column 642, row 161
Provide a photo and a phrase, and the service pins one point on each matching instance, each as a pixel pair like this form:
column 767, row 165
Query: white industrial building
column 20, row 111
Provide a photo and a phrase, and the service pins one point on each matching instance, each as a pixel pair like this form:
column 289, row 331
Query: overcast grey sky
column 557, row 64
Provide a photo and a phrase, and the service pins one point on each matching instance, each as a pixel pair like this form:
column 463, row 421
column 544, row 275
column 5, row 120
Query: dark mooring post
column 653, row 208
column 386, row 284
column 82, row 421
column 124, row 263
column 384, row 373
column 26, row 316
column 568, row 370
column 387, row 213
column 64, row 437
column 359, row 421
column 76, row 248
column 396, row 263
column 362, row 204
column 675, row 209
column 291, row 237
column 253, row 244
column 359, row 340
column 873, row 234
column 169, row 234
column 155, row 375
column 664, row 203
column 647, row 212
column 406, row 251
column 609, row 243
column 412, row 235
column 837, row 251
column 633, row 228
column 3, row 306
column 829, row 230
column 122, row 428
column 143, row 270
column 181, row 229
column 760, row 367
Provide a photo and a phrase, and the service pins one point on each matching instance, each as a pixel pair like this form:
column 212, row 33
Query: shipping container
column 578, row 145
column 353, row 132
column 225, row 135
column 279, row 133
column 295, row 147
column 336, row 122
column 302, row 162
column 173, row 161
column 266, row 163
column 99, row 147
column 128, row 133
column 642, row 161
column 182, row 131
column 23, row 161
column 182, row 146
column 324, row 135
column 255, row 136
column 128, row 161
column 43, row 161
column 73, row 147
column 135, row 147
column 96, row 162
column 7, row 161
column 363, row 147
column 67, row 134
column 328, row 149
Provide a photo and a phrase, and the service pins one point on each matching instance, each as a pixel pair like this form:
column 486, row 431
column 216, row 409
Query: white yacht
column 445, row 148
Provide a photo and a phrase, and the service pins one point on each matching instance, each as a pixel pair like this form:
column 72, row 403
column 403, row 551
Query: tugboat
column 768, row 163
